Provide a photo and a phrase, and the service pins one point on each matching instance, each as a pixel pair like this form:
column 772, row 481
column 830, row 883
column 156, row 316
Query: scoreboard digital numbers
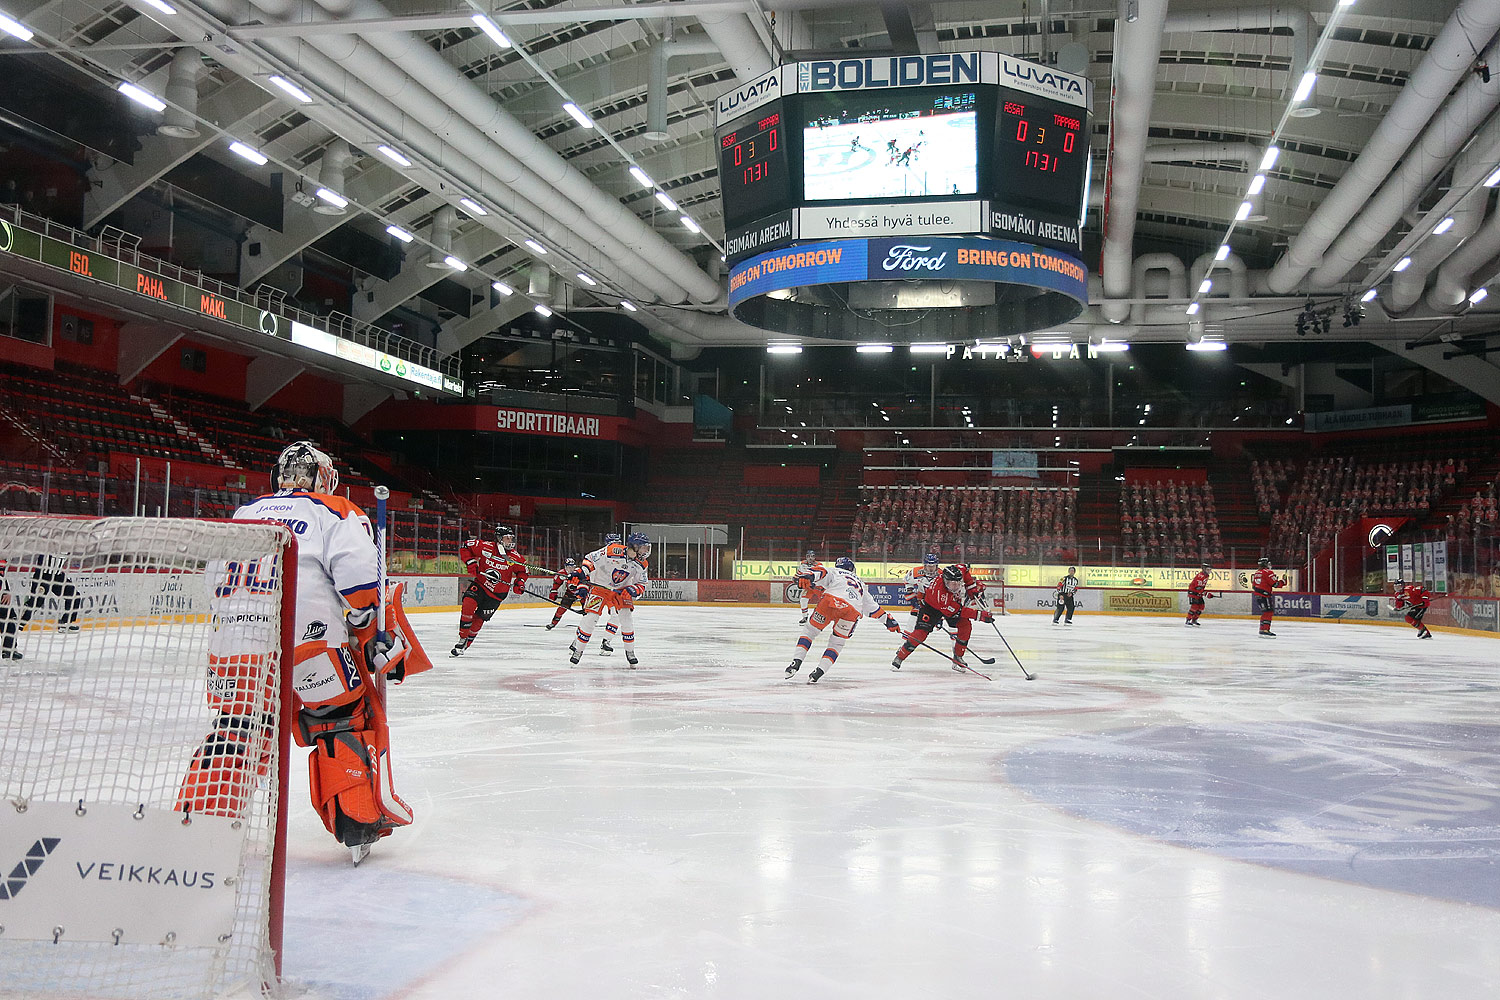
column 1041, row 153
column 753, row 168
column 975, row 143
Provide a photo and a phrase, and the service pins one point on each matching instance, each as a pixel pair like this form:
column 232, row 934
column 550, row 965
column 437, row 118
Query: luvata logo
column 144, row 874
column 750, row 95
column 16, row 880
column 1039, row 79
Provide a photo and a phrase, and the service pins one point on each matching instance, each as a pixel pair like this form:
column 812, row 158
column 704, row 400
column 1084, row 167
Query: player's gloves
column 518, row 587
column 385, row 655
column 986, row 617
column 890, row 624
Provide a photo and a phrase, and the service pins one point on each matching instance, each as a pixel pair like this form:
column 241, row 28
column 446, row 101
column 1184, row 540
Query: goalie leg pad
column 349, row 780
column 221, row 777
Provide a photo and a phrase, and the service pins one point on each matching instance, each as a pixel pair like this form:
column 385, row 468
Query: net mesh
column 116, row 622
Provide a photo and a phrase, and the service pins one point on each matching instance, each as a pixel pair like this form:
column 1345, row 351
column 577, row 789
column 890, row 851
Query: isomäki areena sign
column 936, row 258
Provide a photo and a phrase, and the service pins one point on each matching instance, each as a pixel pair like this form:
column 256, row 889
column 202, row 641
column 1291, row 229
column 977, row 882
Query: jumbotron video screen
column 909, row 143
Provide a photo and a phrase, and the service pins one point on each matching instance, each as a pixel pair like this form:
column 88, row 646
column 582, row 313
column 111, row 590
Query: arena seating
column 1169, row 522
column 977, row 524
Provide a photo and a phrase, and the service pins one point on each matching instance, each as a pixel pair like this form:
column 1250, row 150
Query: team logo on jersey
column 315, row 630
column 619, row 576
column 16, row 880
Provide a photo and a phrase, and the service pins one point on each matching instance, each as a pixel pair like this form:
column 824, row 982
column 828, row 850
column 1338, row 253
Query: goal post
column 144, row 727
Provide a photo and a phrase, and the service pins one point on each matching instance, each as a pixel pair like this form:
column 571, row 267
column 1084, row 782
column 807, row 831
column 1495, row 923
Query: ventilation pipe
column 1451, row 287
column 1230, row 276
column 1204, row 152
column 441, row 237
column 1175, row 285
column 1248, row 18
column 180, row 120
column 1454, row 127
column 336, row 157
column 539, row 282
column 656, row 85
column 1473, row 165
column 1426, row 90
column 739, row 42
column 1137, row 50
column 572, row 197
column 462, row 147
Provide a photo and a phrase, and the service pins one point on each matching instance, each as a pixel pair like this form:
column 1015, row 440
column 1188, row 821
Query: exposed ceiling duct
column 740, row 43
column 1447, row 61
column 1450, row 130
column 180, row 120
column 1137, row 50
column 441, row 237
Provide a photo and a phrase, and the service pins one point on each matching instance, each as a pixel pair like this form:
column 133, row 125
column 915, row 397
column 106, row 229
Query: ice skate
column 605, row 648
column 1267, row 634
column 959, row 666
column 630, row 660
column 793, row 667
column 896, row 663
column 358, row 853
column 812, row 678
column 459, row 647
column 803, row 619
column 550, row 626
column 577, row 655
column 1424, row 634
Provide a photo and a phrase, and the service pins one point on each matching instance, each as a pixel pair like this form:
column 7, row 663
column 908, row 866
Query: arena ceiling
column 1403, row 137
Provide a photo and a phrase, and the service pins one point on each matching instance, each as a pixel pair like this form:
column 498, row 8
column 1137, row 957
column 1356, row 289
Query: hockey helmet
column 809, row 556
column 1400, row 582
column 1264, row 562
column 930, row 559
column 302, row 465
column 502, row 532
column 1208, row 565
column 844, row 563
column 640, row 542
column 568, row 563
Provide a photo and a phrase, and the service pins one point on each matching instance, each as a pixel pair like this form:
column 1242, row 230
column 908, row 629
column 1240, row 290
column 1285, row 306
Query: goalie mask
column 301, row 465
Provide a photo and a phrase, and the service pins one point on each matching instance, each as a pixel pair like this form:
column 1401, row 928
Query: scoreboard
column 972, row 143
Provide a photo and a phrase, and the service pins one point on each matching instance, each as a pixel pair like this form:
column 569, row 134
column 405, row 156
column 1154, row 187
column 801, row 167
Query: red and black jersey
column 1199, row 584
column 495, row 571
column 1264, row 582
column 945, row 602
column 1414, row 596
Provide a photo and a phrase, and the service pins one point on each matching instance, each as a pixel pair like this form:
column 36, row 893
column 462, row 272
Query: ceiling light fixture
column 1480, row 294
column 331, row 198
column 627, row 305
column 1204, row 288
column 874, row 349
column 1492, row 179
column 535, row 246
column 1192, row 309
column 541, row 310
column 1257, row 183
column 784, row 349
column 1223, row 253
column 928, row 348
column 503, row 288
column 472, row 207
column 576, row 113
column 1369, row 296
column 455, row 263
column 666, row 201
column 165, row 8
column 400, row 234
column 640, row 177
column 255, row 156
column 586, row 279
column 1305, row 87
column 395, row 157
column 492, row 29
column 16, row 28
column 1208, row 345
column 142, row 97
column 692, row 226
column 1443, row 227
column 1269, row 159
column 1244, row 212
column 291, row 88
column 1402, row 264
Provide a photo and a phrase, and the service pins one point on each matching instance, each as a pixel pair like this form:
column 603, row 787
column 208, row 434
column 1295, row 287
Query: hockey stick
column 953, row 660
column 1024, row 672
column 986, row 660
column 382, row 494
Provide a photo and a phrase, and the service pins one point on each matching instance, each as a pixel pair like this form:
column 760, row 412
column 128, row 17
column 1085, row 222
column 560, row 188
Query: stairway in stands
column 211, row 454
column 1097, row 519
column 838, row 502
column 1240, row 524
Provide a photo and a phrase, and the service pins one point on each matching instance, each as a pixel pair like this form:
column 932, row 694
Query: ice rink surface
column 1164, row 813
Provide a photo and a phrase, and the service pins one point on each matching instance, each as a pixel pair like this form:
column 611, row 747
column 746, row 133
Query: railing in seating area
column 339, row 324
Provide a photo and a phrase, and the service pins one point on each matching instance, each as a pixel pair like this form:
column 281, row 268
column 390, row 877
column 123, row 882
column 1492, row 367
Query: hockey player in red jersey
column 947, row 599
column 1263, row 586
column 1417, row 599
column 569, row 584
column 1198, row 595
column 498, row 570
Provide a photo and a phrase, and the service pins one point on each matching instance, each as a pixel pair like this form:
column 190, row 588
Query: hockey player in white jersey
column 617, row 576
column 336, row 593
column 844, row 602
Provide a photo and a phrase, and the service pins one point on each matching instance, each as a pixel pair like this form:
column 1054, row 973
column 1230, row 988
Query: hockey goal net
column 121, row 875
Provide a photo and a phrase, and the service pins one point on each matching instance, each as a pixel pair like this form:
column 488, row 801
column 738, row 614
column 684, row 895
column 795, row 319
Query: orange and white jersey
column 612, row 568
column 337, row 564
column 845, row 586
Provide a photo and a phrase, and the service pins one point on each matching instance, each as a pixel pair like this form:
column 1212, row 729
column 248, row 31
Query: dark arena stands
column 504, row 259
